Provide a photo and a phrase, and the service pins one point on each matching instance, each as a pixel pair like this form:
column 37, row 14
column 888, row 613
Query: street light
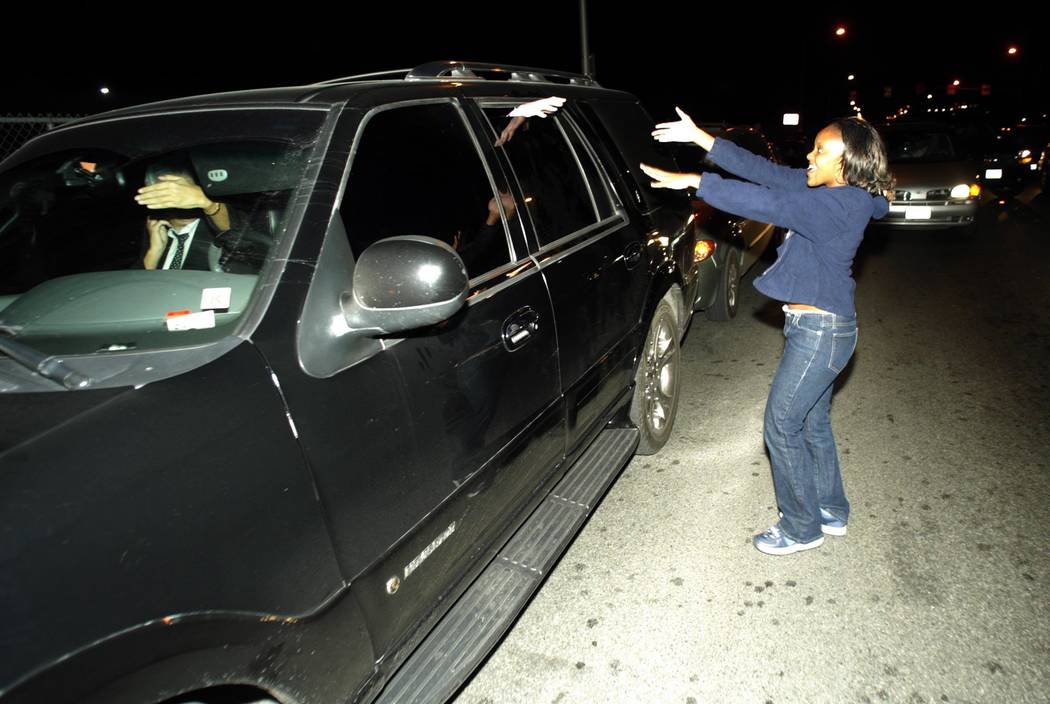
column 840, row 31
column 1012, row 50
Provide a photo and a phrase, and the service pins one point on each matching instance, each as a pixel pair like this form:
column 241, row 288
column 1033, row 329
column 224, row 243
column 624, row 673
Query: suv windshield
column 146, row 232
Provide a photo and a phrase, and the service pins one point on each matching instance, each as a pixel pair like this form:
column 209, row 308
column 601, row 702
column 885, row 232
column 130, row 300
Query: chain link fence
column 16, row 130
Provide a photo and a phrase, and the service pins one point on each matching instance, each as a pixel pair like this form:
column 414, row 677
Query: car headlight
column 961, row 191
column 1025, row 153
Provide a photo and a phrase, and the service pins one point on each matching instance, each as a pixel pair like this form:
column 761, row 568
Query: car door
column 427, row 447
column 593, row 258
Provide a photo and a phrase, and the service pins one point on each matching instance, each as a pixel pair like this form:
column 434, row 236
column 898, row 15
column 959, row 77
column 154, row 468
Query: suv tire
column 657, row 382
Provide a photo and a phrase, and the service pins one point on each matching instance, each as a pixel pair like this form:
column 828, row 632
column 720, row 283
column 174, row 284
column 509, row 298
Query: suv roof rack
column 467, row 70
column 392, row 73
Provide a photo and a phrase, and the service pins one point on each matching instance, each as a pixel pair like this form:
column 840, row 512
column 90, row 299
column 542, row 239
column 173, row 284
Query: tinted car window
column 73, row 238
column 416, row 171
column 599, row 187
column 548, row 170
column 627, row 129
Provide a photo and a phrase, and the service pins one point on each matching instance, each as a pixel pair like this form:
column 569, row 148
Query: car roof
column 478, row 78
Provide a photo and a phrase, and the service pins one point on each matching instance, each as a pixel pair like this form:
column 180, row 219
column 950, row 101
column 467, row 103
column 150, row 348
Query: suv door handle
column 519, row 328
column 632, row 255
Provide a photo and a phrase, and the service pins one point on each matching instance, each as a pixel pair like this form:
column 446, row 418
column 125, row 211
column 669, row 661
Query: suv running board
column 471, row 628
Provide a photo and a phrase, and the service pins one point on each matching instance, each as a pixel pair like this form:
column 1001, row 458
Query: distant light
column 850, row 77
column 840, row 31
column 1012, row 51
column 1024, row 119
column 853, row 102
column 791, row 118
column 955, row 82
column 929, row 96
column 104, row 90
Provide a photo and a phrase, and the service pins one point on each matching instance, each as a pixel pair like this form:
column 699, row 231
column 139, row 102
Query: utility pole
column 588, row 68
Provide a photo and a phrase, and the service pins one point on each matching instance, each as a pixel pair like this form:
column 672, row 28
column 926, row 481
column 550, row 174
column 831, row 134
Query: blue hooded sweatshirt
column 826, row 225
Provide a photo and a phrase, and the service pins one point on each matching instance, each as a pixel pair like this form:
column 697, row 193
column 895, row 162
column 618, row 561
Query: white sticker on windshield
column 216, row 298
column 192, row 321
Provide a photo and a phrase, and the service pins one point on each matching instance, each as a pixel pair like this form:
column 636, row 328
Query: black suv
column 329, row 456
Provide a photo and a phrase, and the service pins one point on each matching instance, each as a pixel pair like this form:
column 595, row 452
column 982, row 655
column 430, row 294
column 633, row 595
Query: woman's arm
column 740, row 162
column 736, row 160
column 817, row 214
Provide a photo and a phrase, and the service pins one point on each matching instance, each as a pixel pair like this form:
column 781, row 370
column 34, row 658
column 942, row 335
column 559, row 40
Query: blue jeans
column 806, row 473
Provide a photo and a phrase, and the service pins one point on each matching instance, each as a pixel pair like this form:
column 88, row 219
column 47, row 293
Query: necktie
column 180, row 250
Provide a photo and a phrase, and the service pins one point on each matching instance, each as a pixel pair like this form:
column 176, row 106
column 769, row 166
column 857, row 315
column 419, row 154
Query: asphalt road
column 940, row 591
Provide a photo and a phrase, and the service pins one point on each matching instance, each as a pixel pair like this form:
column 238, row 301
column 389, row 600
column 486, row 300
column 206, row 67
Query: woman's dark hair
column 864, row 162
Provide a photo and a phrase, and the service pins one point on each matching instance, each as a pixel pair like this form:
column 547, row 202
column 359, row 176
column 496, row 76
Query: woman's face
column 825, row 161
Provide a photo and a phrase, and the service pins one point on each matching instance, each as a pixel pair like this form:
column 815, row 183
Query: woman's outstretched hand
column 671, row 179
column 684, row 130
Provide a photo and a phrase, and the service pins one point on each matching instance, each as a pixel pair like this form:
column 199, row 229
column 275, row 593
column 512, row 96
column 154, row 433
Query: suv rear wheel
column 657, row 381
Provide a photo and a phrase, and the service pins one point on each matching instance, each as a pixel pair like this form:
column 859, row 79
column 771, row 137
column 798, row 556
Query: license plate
column 993, row 173
column 915, row 212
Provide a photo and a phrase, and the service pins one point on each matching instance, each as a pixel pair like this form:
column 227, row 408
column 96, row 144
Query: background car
column 936, row 185
column 338, row 468
column 1010, row 158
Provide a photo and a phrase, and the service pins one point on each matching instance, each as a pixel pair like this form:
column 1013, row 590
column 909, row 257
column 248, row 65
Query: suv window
column 599, row 187
column 76, row 275
column 416, row 171
column 626, row 129
column 549, row 172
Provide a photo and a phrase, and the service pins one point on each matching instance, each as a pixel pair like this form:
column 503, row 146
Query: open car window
column 76, row 271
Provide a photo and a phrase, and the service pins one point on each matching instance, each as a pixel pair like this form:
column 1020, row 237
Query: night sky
column 743, row 67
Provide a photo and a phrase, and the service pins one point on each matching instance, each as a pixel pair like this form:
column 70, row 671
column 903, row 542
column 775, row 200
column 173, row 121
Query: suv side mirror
column 404, row 283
